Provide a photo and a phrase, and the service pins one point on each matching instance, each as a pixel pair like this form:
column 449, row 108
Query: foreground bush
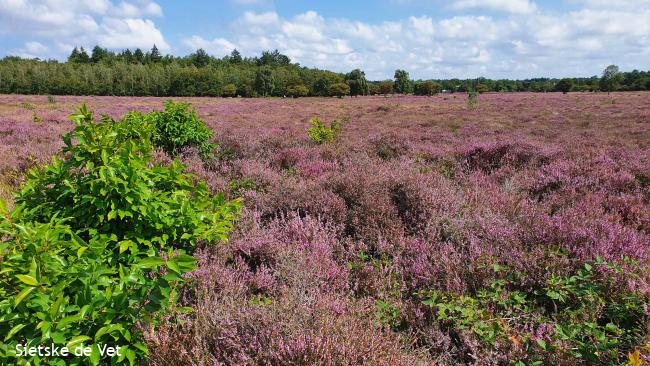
column 85, row 247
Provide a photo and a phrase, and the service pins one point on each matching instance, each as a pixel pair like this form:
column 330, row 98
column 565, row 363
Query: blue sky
column 428, row 38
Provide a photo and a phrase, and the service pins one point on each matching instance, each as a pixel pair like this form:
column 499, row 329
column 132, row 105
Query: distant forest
column 138, row 73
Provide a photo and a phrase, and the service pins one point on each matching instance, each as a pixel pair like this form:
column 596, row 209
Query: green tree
column 98, row 54
column 154, row 55
column 402, row 83
column 565, row 85
column 79, row 56
column 356, row 79
column 235, row 57
column 321, row 87
column 427, row 88
column 138, row 56
column 339, row 90
column 610, row 79
column 200, row 58
column 264, row 82
column 482, row 88
column 386, row 87
column 297, row 91
column 229, row 90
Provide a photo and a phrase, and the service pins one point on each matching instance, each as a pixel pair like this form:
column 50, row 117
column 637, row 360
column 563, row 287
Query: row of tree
column 139, row 73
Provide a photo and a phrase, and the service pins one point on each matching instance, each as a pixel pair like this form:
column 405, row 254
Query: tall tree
column 154, row 55
column 402, row 83
column 79, row 56
column 610, row 79
column 98, row 54
column 356, row 79
column 264, row 82
column 565, row 85
column 386, row 87
column 138, row 56
column 200, row 58
column 235, row 57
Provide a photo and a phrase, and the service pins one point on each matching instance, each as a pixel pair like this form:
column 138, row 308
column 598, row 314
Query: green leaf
column 95, row 355
column 3, row 207
column 14, row 330
column 151, row 262
column 26, row 291
column 77, row 340
column 81, row 251
column 67, row 320
column 27, row 279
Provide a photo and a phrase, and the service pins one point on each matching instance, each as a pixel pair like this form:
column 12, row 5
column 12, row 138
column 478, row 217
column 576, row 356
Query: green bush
column 97, row 244
column 229, row 90
column 339, row 90
column 322, row 134
column 297, row 91
column 178, row 127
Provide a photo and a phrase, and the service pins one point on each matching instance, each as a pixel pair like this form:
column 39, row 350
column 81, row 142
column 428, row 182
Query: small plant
column 472, row 99
column 50, row 99
column 27, row 106
column 36, row 118
column 322, row 134
column 389, row 315
column 239, row 186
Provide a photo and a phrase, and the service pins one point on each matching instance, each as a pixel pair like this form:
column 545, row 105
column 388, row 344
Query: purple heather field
column 337, row 241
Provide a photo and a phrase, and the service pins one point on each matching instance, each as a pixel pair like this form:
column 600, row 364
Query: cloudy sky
column 429, row 38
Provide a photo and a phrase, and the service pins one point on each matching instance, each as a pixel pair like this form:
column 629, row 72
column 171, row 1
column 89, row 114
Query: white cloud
column 525, row 42
column 32, row 50
column 261, row 19
column 130, row 33
column 509, row 6
column 217, row 46
column 108, row 23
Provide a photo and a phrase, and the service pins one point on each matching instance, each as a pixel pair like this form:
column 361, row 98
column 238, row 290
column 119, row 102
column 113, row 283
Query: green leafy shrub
column 97, row 244
column 229, row 90
column 297, row 91
column 593, row 324
column 322, row 134
column 178, row 127
column 339, row 90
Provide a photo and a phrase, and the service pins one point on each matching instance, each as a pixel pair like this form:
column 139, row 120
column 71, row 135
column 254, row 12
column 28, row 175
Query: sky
column 428, row 38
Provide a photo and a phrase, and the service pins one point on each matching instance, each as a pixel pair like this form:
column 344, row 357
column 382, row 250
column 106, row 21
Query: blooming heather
column 417, row 195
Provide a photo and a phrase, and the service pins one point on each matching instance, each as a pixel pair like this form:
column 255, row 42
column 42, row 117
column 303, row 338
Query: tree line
column 139, row 73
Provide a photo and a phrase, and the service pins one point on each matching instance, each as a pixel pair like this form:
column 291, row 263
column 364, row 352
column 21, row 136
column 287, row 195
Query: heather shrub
column 99, row 240
column 390, row 146
column 489, row 157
